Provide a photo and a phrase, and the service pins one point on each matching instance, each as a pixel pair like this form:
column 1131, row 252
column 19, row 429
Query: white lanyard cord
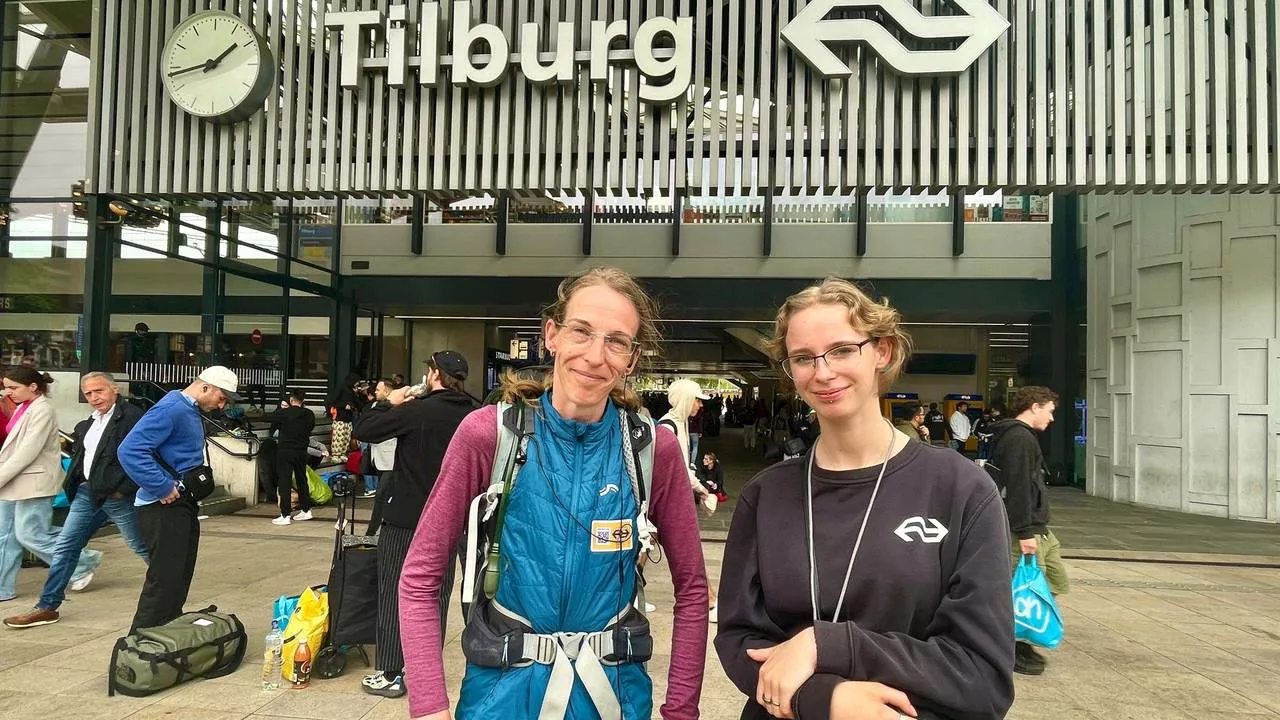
column 813, row 565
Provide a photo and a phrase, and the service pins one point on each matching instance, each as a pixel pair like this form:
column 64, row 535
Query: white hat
column 685, row 387
column 223, row 379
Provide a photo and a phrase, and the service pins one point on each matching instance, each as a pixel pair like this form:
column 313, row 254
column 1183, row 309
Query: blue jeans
column 694, row 460
column 83, row 520
column 29, row 524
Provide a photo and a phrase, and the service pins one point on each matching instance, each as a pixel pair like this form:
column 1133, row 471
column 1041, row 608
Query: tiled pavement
column 1160, row 639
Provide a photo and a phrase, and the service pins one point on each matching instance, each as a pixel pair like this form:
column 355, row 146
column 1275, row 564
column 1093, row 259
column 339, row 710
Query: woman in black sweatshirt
column 869, row 577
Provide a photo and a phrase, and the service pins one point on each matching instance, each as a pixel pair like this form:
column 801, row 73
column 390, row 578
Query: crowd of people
column 865, row 575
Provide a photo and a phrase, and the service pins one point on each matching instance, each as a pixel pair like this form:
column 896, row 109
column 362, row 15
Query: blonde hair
column 877, row 319
column 527, row 390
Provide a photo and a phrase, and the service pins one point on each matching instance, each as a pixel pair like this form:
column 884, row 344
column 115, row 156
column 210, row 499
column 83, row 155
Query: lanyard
column 813, row 565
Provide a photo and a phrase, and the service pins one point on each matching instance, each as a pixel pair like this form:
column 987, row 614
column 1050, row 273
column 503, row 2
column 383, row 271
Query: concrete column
column 463, row 336
column 1183, row 361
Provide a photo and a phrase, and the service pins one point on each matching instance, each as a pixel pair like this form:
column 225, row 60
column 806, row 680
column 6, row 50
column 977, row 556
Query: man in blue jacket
column 173, row 432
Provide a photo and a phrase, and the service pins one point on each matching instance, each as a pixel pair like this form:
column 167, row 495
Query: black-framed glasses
column 837, row 358
column 616, row 343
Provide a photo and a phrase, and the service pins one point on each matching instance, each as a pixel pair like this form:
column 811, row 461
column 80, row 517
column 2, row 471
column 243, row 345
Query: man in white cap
column 166, row 444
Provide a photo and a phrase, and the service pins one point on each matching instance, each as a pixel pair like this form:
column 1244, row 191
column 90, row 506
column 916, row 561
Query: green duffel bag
column 203, row 644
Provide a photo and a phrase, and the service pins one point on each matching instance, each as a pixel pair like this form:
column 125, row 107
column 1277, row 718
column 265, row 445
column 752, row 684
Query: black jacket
column 106, row 477
column 937, row 424
column 928, row 609
column 711, row 478
column 1019, row 470
column 295, row 424
column 424, row 427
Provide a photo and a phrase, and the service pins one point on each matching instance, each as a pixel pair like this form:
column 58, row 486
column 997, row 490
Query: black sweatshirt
column 1016, row 454
column 424, row 426
column 929, row 609
column 295, row 424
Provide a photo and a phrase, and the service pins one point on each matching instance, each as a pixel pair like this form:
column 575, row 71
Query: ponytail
column 24, row 375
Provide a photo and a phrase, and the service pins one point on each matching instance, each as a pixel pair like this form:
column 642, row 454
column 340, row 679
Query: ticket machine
column 894, row 405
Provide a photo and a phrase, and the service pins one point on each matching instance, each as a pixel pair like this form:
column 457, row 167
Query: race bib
column 612, row 535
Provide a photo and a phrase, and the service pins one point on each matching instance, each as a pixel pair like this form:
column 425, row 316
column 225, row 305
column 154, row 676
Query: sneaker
column 282, row 520
column 35, row 618
column 380, row 684
column 304, row 515
column 368, row 494
column 712, row 615
column 79, row 584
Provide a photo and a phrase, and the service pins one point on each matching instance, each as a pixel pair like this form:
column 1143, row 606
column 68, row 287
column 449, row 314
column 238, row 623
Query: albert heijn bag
column 310, row 619
column 1036, row 619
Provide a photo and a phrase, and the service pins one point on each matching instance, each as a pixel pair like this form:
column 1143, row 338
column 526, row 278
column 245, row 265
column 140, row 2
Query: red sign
column 256, row 336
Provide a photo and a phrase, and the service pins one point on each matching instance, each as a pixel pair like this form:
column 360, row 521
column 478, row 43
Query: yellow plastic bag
column 310, row 619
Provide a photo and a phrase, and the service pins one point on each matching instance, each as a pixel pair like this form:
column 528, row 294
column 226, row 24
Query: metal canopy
column 1067, row 98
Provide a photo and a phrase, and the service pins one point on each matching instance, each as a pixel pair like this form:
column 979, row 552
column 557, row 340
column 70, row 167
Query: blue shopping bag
column 284, row 607
column 1036, row 619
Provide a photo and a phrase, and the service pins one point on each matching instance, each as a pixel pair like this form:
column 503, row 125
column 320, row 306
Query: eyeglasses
column 837, row 358
column 618, row 344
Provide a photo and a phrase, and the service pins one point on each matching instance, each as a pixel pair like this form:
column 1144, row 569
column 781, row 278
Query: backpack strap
column 515, row 427
column 643, row 443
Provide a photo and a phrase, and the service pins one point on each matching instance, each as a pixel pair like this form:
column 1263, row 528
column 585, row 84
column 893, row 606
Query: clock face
column 216, row 67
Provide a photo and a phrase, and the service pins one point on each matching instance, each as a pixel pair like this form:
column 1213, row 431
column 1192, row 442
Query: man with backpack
column 1017, row 465
column 423, row 427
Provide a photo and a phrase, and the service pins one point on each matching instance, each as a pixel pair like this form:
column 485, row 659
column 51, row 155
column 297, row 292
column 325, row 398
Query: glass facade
column 191, row 282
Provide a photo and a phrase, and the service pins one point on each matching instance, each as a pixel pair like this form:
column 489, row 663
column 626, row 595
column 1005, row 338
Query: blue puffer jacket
column 556, row 573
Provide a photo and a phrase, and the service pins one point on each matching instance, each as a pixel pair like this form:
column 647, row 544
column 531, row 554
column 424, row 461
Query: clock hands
column 207, row 65
column 184, row 71
column 218, row 60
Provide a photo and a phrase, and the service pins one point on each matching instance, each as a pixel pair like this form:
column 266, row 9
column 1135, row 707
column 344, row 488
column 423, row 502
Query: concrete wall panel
column 1196, row 426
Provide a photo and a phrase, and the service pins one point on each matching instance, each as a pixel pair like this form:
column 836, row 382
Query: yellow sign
column 612, row 536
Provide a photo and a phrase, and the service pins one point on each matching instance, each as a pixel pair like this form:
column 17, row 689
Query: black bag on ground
column 202, row 644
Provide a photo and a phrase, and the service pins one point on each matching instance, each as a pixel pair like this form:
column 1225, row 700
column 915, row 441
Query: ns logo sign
column 811, row 35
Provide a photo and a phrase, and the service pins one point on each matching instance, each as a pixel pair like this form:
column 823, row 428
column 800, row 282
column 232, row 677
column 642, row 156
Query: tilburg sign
column 667, row 71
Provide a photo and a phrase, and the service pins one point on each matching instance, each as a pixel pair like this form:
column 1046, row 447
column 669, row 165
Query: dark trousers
column 291, row 465
column 386, row 481
column 393, row 548
column 172, row 535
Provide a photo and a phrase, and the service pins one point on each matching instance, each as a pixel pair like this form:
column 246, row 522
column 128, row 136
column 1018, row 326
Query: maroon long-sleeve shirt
column 464, row 474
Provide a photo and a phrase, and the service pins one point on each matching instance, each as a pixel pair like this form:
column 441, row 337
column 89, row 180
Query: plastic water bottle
column 272, row 658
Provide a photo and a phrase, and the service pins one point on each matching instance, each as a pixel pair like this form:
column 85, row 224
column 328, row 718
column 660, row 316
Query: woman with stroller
column 868, row 578
column 571, row 535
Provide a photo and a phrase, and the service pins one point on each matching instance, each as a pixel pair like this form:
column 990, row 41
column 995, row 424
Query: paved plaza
column 1149, row 634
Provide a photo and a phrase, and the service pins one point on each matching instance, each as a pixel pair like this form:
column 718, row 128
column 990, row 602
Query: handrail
column 254, row 444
